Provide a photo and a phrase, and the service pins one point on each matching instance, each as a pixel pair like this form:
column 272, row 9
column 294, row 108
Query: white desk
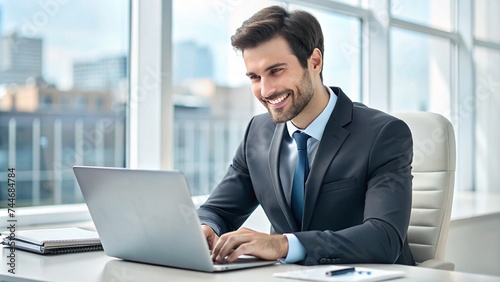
column 96, row 266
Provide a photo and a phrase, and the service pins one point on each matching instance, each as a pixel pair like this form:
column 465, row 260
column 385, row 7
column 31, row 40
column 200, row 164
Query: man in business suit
column 353, row 203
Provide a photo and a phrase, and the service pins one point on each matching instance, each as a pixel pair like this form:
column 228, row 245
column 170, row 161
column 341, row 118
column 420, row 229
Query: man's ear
column 316, row 61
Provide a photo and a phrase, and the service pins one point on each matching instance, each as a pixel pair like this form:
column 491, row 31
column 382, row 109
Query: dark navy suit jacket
column 357, row 196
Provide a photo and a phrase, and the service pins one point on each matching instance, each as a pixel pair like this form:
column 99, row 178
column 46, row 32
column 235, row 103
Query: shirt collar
column 317, row 126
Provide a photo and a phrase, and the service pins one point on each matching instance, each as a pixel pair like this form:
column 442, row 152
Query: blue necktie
column 300, row 176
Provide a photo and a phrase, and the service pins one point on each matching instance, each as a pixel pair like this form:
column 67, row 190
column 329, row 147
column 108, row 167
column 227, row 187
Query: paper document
column 359, row 274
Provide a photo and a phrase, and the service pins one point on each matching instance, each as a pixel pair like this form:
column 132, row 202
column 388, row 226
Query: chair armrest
column 438, row 264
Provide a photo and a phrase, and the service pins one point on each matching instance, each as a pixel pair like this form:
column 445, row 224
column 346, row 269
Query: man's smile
column 278, row 100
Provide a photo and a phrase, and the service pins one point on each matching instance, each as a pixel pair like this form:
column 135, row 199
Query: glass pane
column 487, row 103
column 420, row 73
column 486, row 20
column 343, row 50
column 63, row 89
column 431, row 13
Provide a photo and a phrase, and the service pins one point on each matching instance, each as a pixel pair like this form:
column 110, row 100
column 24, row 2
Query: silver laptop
column 148, row 216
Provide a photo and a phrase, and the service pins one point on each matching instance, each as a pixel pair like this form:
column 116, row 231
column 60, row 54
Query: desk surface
column 96, row 266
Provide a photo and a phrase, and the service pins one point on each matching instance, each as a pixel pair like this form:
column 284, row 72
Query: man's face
column 278, row 80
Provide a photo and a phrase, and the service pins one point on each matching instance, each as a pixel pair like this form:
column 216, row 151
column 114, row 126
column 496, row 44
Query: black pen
column 340, row 271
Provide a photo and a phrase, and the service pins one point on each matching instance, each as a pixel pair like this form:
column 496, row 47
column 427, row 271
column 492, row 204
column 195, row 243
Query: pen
column 340, row 271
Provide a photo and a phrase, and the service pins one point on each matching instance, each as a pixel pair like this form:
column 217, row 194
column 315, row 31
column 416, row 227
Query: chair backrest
column 433, row 183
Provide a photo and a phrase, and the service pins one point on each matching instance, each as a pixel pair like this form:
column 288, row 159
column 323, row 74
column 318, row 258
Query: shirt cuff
column 296, row 251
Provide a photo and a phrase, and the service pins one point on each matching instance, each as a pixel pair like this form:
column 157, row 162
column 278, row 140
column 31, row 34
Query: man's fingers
column 227, row 244
column 241, row 250
column 213, row 242
column 231, row 245
column 210, row 236
column 217, row 246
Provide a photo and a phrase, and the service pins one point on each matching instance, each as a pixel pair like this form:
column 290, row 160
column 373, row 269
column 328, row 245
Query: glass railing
column 204, row 148
column 43, row 147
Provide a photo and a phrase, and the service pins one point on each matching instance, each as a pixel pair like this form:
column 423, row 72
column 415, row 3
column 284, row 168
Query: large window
column 486, row 20
column 64, row 82
column 437, row 14
column 424, row 52
column 63, row 93
column 487, row 112
column 487, row 94
column 433, row 45
column 343, row 50
column 420, row 72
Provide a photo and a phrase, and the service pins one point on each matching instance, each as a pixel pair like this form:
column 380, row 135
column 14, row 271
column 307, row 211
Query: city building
column 20, row 58
column 42, row 98
column 53, row 130
column 192, row 61
column 100, row 75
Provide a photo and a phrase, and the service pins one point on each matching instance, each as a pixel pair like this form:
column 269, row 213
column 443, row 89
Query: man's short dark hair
column 300, row 29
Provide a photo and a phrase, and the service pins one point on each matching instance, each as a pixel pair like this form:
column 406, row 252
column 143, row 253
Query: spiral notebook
column 54, row 240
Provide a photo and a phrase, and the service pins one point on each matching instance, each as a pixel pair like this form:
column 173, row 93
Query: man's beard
column 299, row 100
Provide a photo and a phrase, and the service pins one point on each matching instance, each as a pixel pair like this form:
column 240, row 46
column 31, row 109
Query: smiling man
column 332, row 176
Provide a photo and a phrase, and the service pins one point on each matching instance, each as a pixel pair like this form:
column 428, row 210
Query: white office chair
column 433, row 184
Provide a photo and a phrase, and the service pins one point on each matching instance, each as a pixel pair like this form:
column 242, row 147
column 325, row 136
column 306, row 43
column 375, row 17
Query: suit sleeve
column 233, row 200
column 380, row 238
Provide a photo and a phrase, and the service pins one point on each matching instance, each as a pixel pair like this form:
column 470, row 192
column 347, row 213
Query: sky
column 72, row 30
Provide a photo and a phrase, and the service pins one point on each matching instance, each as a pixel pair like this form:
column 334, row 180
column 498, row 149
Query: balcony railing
column 43, row 147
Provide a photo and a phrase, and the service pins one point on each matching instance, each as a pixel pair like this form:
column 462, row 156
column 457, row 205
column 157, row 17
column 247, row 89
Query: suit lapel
column 333, row 137
column 274, row 152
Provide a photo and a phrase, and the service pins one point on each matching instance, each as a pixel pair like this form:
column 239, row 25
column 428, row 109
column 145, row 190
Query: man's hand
column 249, row 242
column 210, row 235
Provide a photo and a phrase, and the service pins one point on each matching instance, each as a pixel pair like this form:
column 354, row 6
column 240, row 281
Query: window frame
column 150, row 111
